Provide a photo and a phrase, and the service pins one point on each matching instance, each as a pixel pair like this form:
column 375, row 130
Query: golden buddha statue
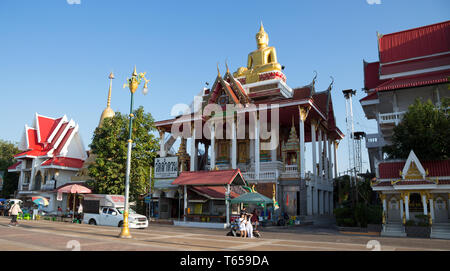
column 261, row 60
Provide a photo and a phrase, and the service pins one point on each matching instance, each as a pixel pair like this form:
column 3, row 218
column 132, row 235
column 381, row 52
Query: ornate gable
column 413, row 169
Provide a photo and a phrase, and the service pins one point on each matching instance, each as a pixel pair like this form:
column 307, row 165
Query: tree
column 424, row 129
column 109, row 145
column 10, row 179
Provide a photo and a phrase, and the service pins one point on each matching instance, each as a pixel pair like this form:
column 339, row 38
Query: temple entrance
column 440, row 210
column 394, row 210
column 38, row 181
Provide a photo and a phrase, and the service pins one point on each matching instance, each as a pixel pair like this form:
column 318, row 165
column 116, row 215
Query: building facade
column 53, row 152
column 252, row 120
column 412, row 64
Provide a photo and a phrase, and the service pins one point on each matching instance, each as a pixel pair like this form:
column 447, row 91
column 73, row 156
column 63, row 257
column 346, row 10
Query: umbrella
column 40, row 201
column 74, row 189
column 1, row 200
column 253, row 197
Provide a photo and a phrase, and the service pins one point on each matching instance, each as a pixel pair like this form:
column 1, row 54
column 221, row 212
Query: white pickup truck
column 107, row 210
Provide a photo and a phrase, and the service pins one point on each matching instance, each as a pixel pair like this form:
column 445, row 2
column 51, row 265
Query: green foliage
column 10, row 179
column 109, row 144
column 344, row 217
column 410, row 223
column 424, row 129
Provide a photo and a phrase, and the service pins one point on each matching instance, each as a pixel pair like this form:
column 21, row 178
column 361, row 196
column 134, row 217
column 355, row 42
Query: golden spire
column 134, row 72
column 218, row 71
column 108, row 112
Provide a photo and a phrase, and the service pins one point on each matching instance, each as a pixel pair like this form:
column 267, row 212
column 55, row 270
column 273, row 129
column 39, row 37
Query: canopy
column 39, row 200
column 253, row 197
column 74, row 189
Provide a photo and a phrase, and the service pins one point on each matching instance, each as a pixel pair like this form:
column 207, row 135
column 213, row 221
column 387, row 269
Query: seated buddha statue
column 261, row 60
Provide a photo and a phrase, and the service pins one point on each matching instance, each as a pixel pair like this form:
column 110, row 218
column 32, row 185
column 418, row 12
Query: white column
column 315, row 200
column 335, row 159
column 385, row 206
column 314, row 147
column 331, row 202
column 327, row 204
column 424, row 202
column 320, row 155
column 401, row 209
column 257, row 149
column 302, row 145
column 213, row 147
column 309, row 200
column 162, row 151
column 407, row 207
column 227, row 196
column 193, row 151
column 185, row 203
column 321, row 202
column 431, row 209
column 325, row 155
column 330, row 160
column 233, row 145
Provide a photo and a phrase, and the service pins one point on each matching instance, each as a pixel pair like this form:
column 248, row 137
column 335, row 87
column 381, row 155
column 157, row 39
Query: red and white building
column 412, row 64
column 52, row 152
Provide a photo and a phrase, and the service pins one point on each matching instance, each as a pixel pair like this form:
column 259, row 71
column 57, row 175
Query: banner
column 166, row 167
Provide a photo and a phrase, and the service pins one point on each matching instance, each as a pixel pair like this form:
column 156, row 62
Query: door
column 104, row 216
column 394, row 210
column 440, row 210
column 112, row 217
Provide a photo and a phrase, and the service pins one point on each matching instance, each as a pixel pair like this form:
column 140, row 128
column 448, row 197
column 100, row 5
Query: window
column 105, row 210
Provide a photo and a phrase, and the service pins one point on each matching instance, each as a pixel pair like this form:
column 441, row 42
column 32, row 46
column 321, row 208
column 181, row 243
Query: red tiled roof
column 372, row 75
column 209, row 178
column 215, row 192
column 31, row 153
column 371, row 96
column 391, row 170
column 46, row 127
column 415, row 81
column 63, row 141
column 12, row 167
column 64, row 162
column 416, row 42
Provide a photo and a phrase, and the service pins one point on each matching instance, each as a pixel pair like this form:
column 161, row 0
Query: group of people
column 246, row 223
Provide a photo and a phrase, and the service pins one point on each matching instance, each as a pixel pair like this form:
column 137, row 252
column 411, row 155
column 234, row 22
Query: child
column 242, row 224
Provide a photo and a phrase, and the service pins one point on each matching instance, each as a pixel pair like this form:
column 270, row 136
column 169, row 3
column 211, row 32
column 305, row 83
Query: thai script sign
column 166, row 167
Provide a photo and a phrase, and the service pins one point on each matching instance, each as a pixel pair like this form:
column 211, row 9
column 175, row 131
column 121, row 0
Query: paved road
column 49, row 236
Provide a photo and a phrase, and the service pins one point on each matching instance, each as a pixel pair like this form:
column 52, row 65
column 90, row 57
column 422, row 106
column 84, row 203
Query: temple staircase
column 440, row 230
column 393, row 229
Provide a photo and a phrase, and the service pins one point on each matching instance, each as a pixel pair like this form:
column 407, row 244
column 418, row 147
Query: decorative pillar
column 303, row 113
column 257, row 148
column 327, row 204
column 185, row 203
column 402, row 212
column 213, row 147
column 227, row 201
column 193, row 150
column 162, row 151
column 315, row 200
column 431, row 208
column 233, row 144
column 424, row 203
column 383, row 198
column 407, row 205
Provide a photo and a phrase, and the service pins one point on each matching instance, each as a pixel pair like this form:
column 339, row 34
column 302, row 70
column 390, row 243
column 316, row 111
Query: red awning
column 213, row 192
column 210, row 178
column 415, row 81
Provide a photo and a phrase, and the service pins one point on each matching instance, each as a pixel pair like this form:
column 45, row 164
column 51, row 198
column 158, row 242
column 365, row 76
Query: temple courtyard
column 62, row 236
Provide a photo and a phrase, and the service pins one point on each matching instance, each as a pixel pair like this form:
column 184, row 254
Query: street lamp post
column 132, row 84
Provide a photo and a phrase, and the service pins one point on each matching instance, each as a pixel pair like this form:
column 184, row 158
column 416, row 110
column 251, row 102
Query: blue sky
column 55, row 57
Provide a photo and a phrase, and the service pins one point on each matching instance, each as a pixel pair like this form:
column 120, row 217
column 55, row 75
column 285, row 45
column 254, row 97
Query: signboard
column 166, row 167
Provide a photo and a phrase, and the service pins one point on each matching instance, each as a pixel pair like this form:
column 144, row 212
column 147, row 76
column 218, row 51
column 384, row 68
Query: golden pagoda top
column 108, row 112
column 263, row 59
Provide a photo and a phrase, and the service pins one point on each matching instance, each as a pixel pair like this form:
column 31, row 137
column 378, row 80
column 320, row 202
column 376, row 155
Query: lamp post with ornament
column 133, row 84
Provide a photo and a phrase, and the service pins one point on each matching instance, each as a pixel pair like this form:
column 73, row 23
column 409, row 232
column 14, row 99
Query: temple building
column 414, row 63
column 254, row 128
column 52, row 152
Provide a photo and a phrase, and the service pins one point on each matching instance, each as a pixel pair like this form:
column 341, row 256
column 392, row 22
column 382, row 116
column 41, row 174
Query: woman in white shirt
column 249, row 227
column 242, row 226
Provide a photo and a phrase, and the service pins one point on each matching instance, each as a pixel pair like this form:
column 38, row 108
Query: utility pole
column 348, row 93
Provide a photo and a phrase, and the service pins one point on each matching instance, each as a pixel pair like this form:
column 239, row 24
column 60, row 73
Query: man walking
column 14, row 212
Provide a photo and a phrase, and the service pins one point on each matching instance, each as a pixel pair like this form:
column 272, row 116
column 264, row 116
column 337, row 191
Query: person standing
column 242, row 224
column 14, row 212
column 248, row 226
